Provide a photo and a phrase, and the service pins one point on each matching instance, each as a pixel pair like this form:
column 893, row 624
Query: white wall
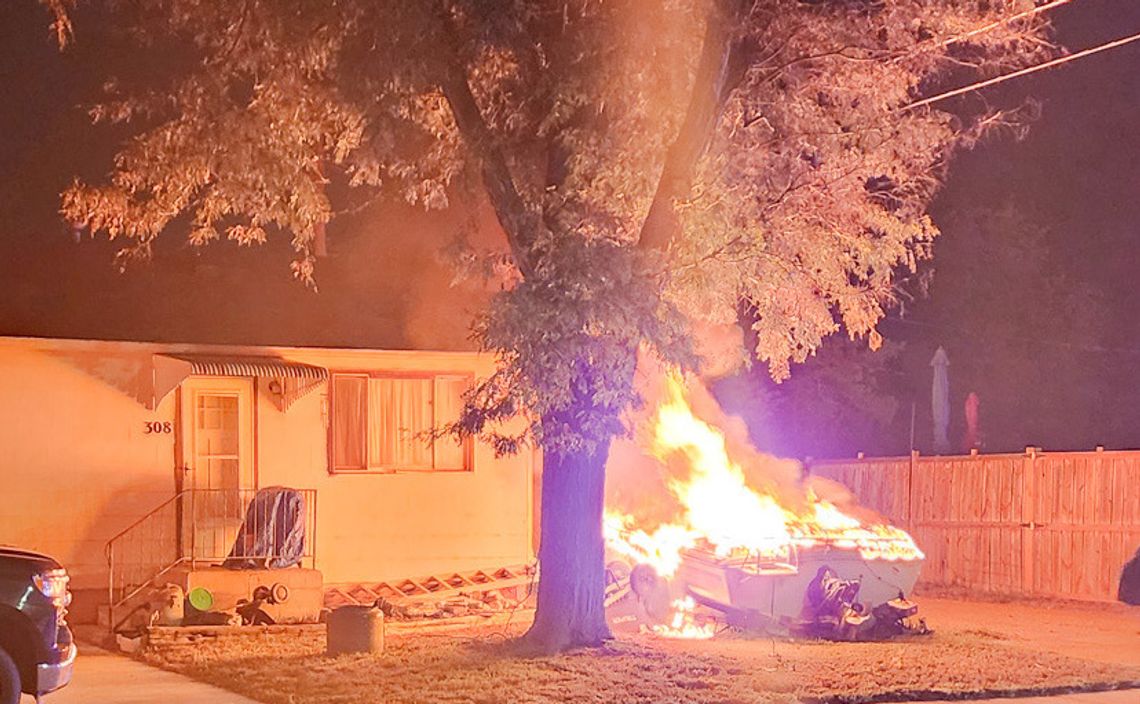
column 78, row 466
column 76, row 461
column 381, row 526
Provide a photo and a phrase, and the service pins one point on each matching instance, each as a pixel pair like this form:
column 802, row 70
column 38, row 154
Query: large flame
column 721, row 512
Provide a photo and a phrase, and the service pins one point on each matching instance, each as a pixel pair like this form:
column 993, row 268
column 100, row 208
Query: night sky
column 1067, row 329
column 1034, row 296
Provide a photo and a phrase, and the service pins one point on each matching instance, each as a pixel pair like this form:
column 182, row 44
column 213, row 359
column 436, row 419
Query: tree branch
column 521, row 224
column 724, row 59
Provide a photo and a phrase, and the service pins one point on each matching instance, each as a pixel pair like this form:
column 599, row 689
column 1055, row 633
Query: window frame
column 368, row 376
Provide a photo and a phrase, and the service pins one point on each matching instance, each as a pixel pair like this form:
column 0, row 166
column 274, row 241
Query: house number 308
column 158, row 426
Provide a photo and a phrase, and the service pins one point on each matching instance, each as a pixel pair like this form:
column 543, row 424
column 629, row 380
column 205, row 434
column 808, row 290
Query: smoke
column 408, row 260
column 841, row 497
column 720, row 347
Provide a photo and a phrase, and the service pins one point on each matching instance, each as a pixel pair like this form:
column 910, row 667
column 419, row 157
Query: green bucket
column 201, row 598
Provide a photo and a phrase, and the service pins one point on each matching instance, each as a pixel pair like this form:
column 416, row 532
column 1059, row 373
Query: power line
column 994, row 25
column 1021, row 72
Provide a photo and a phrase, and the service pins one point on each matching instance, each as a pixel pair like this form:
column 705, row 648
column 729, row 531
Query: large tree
column 649, row 162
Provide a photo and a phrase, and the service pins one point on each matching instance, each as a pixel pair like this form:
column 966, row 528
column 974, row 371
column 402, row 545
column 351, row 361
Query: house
column 149, row 453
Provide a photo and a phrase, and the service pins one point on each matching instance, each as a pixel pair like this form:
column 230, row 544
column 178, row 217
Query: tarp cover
column 273, row 533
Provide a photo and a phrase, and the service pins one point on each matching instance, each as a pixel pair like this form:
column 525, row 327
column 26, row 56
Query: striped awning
column 297, row 378
column 253, row 366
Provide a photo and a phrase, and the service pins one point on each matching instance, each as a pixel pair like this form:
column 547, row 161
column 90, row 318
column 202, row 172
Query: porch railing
column 199, row 528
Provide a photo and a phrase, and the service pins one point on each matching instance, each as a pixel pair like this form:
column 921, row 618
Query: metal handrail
column 139, row 589
column 192, row 526
column 115, row 538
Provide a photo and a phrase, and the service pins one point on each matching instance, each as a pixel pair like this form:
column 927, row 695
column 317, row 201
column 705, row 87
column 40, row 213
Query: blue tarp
column 273, row 533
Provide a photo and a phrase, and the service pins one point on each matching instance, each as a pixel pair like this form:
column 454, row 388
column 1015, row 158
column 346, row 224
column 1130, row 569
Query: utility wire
column 1022, row 72
column 937, row 44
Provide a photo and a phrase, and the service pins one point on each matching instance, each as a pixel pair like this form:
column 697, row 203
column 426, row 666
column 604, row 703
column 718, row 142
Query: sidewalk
column 102, row 677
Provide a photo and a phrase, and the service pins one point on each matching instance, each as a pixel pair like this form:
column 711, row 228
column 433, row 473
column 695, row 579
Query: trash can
column 355, row 629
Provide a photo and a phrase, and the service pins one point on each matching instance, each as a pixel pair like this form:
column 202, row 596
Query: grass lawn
column 977, row 646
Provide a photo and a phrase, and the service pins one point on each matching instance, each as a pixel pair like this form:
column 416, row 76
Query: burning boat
column 761, row 548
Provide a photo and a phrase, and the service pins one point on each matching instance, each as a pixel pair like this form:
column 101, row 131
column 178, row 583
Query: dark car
column 36, row 651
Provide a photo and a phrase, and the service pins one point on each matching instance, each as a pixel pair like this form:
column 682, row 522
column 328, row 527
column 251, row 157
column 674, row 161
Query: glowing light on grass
column 683, row 624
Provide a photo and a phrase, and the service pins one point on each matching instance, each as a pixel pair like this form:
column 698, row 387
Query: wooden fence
column 1052, row 524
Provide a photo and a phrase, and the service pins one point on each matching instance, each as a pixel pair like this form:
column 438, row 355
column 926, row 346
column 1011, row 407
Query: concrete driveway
column 102, row 677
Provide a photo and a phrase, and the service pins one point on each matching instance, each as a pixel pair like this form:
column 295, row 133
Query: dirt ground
column 978, row 647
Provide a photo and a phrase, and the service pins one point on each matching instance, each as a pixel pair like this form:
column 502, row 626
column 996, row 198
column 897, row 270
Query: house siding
column 79, row 466
column 382, row 526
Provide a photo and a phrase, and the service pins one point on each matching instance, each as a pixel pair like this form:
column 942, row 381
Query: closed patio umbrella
column 973, row 438
column 940, row 401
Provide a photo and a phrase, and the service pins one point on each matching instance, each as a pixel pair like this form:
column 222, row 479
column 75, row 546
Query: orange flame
column 721, row 512
column 683, row 624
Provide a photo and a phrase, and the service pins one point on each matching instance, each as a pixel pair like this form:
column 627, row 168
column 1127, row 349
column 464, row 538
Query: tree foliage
column 647, row 160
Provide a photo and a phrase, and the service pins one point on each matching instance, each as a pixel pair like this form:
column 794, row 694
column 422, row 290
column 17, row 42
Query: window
column 379, row 422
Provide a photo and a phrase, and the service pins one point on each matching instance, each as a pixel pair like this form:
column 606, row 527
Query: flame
column 660, row 549
column 683, row 624
column 721, row 512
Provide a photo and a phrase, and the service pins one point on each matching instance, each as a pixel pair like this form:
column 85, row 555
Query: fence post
column 908, row 521
column 1028, row 519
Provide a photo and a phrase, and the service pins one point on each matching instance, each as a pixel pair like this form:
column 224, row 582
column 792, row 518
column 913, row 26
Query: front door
column 217, row 457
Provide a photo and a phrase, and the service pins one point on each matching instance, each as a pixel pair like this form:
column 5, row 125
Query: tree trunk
column 571, row 554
